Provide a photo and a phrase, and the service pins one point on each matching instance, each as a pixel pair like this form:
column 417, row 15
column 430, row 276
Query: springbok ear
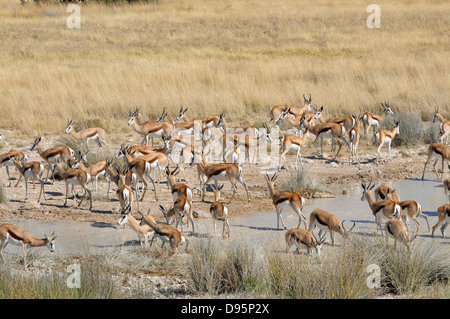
column 321, row 109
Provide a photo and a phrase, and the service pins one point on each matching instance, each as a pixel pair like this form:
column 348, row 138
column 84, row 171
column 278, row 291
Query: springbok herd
column 193, row 137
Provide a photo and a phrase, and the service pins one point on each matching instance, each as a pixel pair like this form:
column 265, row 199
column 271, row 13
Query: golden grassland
column 239, row 56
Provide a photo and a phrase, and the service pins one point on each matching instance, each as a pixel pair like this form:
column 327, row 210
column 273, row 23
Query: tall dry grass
column 237, row 56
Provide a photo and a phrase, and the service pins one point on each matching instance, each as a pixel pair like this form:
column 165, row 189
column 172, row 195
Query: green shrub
column 300, row 181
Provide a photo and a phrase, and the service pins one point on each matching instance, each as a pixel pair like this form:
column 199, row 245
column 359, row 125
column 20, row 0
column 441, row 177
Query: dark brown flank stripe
column 54, row 153
column 437, row 150
column 93, row 134
column 219, row 171
column 7, row 159
column 324, row 130
column 281, row 197
column 447, row 211
column 375, row 117
column 320, row 221
column 380, row 207
column 13, row 235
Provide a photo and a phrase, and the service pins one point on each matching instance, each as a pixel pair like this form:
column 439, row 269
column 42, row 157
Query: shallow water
column 259, row 228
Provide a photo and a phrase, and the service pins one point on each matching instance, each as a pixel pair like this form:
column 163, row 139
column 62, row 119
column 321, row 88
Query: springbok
column 446, row 185
column 250, row 144
column 152, row 129
column 54, row 155
column 386, row 136
column 6, row 161
column 177, row 189
column 386, row 209
column 444, row 127
column 396, row 229
column 248, row 130
column 76, row 176
column 439, row 152
column 33, row 170
column 283, row 200
column 141, row 168
column 383, row 192
column 374, row 120
column 443, row 219
column 219, row 212
column 330, row 130
column 165, row 232
column 96, row 134
column 95, row 170
column 354, row 135
column 413, row 209
column 326, row 221
column 276, row 112
column 303, row 238
column 292, row 142
column 220, row 172
column 15, row 235
column 142, row 231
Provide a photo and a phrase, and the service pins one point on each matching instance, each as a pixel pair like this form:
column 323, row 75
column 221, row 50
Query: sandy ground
column 405, row 163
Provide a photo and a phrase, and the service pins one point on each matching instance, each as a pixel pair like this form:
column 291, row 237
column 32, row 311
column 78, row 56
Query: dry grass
column 237, row 56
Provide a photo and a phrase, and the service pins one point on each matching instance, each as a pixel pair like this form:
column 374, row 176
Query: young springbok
column 292, row 142
column 444, row 127
column 386, row 136
column 396, row 229
column 303, row 238
column 446, row 185
column 142, row 231
column 219, row 212
column 443, row 219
